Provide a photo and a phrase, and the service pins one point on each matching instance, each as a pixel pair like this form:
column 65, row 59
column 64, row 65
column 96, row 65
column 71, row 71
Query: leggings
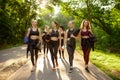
column 86, row 55
column 53, row 46
column 33, row 51
column 70, row 50
column 62, row 53
column 86, row 47
column 62, row 43
column 45, row 47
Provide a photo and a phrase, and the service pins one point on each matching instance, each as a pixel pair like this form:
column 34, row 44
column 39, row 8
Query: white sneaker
column 70, row 70
column 33, row 69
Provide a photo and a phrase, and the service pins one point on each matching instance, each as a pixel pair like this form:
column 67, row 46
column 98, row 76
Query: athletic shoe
column 53, row 68
column 70, row 70
column 33, row 69
column 86, row 68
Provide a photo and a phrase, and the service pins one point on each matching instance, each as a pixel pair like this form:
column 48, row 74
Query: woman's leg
column 84, row 55
column 87, row 56
column 52, row 55
column 47, row 47
column 32, row 57
column 32, row 54
column 62, row 44
column 60, row 53
column 36, row 56
column 44, row 45
column 70, row 53
column 55, row 52
column 63, row 53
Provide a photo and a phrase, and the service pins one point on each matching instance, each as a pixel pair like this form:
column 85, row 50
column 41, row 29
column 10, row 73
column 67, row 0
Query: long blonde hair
column 88, row 27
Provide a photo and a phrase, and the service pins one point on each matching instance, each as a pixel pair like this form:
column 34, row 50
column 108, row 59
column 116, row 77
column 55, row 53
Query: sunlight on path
column 44, row 70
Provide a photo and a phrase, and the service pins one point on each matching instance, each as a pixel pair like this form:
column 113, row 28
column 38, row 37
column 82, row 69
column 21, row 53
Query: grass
column 107, row 62
column 6, row 46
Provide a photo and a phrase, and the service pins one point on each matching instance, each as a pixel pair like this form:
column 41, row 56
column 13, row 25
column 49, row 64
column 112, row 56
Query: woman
column 53, row 44
column 62, row 41
column 34, row 34
column 85, row 41
column 45, row 45
column 71, row 44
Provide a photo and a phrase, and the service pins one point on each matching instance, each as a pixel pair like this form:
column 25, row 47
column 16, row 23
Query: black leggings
column 33, row 51
column 70, row 50
column 53, row 46
column 62, row 44
column 45, row 44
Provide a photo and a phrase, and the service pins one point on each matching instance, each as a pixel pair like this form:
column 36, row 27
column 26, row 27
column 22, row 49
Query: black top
column 54, row 33
column 43, row 37
column 34, row 32
column 46, row 36
column 62, row 34
column 71, row 41
column 69, row 33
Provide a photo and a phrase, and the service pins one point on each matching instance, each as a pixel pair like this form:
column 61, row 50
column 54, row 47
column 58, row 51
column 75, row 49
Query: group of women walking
column 55, row 40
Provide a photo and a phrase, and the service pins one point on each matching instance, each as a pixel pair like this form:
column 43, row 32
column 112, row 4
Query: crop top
column 54, row 33
column 85, row 33
column 34, row 32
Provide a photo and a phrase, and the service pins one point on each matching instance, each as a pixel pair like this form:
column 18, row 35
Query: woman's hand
column 72, row 36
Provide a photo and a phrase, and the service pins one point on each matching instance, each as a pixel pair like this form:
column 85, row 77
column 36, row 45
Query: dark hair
column 62, row 27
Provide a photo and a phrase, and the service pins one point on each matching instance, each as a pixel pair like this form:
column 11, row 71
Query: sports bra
column 85, row 33
column 34, row 32
column 54, row 33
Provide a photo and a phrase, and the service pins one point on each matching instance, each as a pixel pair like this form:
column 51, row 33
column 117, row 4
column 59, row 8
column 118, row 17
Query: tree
column 102, row 13
column 15, row 17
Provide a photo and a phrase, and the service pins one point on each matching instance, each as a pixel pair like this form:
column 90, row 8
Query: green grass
column 6, row 46
column 107, row 62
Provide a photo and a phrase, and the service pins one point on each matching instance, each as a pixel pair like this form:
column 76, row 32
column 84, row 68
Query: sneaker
column 86, row 68
column 70, row 70
column 53, row 68
column 33, row 69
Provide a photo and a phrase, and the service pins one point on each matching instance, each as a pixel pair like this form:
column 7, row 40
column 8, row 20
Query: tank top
column 69, row 33
column 54, row 33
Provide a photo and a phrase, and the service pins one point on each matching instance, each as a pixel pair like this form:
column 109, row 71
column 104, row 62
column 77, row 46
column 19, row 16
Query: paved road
column 9, row 56
column 44, row 65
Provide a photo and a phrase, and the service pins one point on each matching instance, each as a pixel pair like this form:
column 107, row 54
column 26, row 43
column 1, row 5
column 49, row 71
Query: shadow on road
column 76, row 74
